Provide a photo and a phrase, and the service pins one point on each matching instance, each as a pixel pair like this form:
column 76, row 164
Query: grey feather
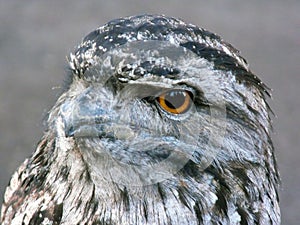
column 113, row 155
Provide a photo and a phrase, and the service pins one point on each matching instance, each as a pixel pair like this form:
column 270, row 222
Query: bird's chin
column 131, row 156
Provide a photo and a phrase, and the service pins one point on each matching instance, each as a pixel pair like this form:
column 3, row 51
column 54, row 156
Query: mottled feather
column 111, row 155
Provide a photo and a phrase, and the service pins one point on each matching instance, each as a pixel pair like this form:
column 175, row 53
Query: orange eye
column 175, row 101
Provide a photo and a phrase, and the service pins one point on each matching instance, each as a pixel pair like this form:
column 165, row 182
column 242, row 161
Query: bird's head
column 150, row 94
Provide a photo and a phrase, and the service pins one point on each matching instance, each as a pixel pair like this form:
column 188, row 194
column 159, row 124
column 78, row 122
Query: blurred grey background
column 36, row 36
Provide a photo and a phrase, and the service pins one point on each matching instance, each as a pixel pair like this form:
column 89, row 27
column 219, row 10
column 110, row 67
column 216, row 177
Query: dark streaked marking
column 223, row 190
column 198, row 210
column 244, row 215
column 223, row 61
column 145, row 210
column 182, row 194
column 125, row 198
column 52, row 214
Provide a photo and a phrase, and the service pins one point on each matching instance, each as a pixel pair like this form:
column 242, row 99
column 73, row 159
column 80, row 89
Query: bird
column 159, row 122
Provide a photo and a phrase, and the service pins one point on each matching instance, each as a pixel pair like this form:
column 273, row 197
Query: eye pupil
column 175, row 101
